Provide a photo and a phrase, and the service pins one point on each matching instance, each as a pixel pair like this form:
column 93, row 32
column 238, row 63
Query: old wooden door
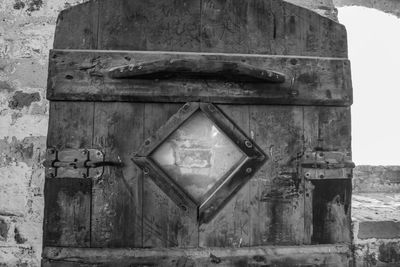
column 198, row 133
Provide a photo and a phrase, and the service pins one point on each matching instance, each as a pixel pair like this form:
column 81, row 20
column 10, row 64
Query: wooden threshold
column 316, row 255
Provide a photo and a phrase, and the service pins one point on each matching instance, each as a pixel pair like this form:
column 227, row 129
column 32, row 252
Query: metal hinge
column 327, row 165
column 74, row 163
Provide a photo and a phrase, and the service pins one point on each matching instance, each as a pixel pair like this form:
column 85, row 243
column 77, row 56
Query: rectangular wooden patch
column 67, row 212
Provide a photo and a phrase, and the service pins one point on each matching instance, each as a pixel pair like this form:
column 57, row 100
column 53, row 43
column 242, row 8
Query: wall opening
column 374, row 51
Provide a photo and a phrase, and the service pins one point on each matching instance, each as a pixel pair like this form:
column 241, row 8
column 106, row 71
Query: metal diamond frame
column 225, row 188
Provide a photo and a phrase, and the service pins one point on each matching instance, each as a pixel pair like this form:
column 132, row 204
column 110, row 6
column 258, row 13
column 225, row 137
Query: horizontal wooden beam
column 91, row 75
column 316, row 255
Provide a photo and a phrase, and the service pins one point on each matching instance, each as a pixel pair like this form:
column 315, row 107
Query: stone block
column 4, row 229
column 389, row 252
column 379, row 230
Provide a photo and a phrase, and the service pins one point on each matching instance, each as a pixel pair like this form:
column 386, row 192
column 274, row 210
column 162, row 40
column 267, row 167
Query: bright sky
column 374, row 52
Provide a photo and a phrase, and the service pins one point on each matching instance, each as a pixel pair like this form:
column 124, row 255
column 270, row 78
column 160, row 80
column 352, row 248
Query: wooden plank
column 327, row 256
column 117, row 209
column 329, row 129
column 85, row 75
column 70, row 126
column 231, row 226
column 269, row 27
column 82, row 21
column 223, row 26
column 277, row 194
column 164, row 223
column 253, row 26
column 68, row 205
column 51, row 263
column 150, row 25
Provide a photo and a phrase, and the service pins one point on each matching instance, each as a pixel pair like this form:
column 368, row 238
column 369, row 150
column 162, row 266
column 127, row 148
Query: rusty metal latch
column 327, row 165
column 74, row 163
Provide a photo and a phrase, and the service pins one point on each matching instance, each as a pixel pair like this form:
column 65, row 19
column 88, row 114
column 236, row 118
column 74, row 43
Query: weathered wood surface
column 78, row 27
column 231, row 226
column 85, row 75
column 116, row 204
column 327, row 256
column 276, row 192
column 253, row 26
column 328, row 129
column 68, row 205
column 130, row 210
column 165, row 224
column 68, row 201
column 196, row 68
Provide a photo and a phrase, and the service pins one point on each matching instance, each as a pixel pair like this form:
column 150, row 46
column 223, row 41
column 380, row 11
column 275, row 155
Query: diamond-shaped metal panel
column 199, row 158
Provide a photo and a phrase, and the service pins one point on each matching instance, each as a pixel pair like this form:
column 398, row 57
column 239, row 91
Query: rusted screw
column 99, row 154
column 248, row 144
column 211, row 108
column 185, row 107
column 249, row 170
column 183, row 207
column 307, row 175
column 145, row 171
column 321, row 176
column 147, row 142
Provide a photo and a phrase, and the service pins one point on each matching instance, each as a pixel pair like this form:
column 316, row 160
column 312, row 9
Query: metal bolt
column 321, row 176
column 51, row 151
column 249, row 170
column 185, row 107
column 307, row 174
column 321, row 154
column 211, row 108
column 51, row 173
column 248, row 144
column 183, row 207
column 145, row 170
column 147, row 142
column 99, row 154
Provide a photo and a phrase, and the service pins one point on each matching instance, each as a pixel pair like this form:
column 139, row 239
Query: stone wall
column 376, row 215
column 26, row 35
column 388, row 6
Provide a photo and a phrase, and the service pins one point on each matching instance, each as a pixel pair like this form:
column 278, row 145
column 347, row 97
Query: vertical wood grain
column 67, row 201
column 231, row 226
column 150, row 25
column 117, row 214
column 77, row 27
column 276, row 193
column 68, row 204
column 164, row 223
column 329, row 129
